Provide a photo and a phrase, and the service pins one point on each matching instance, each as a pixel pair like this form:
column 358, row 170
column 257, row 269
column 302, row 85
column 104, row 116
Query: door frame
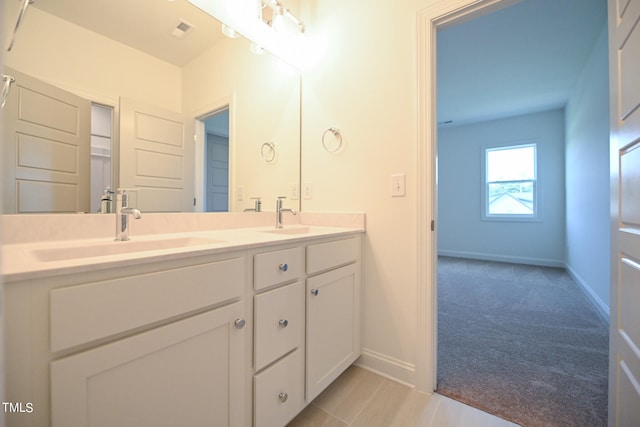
column 440, row 14
column 200, row 138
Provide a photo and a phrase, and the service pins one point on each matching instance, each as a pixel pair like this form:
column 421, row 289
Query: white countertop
column 31, row 260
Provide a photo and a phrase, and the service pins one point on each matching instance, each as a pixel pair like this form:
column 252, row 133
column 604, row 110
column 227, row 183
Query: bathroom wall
column 265, row 93
column 587, row 181
column 361, row 79
column 89, row 65
column 462, row 230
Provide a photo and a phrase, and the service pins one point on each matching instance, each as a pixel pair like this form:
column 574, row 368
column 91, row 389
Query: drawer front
column 271, row 268
column 324, row 256
column 279, row 392
column 279, row 323
column 84, row 313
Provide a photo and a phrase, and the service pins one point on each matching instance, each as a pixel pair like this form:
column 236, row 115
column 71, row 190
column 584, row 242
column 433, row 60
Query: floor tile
column 347, row 396
column 312, row 416
column 450, row 413
column 396, row 405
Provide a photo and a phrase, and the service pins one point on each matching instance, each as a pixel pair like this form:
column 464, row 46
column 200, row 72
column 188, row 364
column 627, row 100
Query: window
column 510, row 182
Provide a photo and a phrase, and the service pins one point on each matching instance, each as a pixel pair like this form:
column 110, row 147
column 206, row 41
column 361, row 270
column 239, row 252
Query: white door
column 156, row 157
column 624, row 357
column 47, row 144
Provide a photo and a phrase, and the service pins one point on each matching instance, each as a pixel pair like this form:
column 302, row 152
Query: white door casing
column 156, row 157
column 624, row 354
column 47, row 145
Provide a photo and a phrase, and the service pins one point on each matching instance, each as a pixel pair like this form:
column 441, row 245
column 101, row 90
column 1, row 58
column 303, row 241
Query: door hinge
column 194, row 201
column 433, row 225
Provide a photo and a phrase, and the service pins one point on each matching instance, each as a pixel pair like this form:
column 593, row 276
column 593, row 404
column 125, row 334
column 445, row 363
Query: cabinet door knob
column 283, row 323
column 283, row 397
column 283, row 267
column 314, row 292
column 239, row 323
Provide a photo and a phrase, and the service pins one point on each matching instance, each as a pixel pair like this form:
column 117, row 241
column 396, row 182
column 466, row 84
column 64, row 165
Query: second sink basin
column 115, row 248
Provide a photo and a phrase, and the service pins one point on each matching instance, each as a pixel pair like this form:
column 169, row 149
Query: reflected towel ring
column 268, row 157
column 337, row 135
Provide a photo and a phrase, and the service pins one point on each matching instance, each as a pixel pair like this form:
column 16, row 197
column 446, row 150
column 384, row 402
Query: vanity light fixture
column 279, row 14
column 229, row 32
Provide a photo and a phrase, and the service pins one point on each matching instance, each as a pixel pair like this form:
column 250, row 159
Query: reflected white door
column 156, row 157
column 624, row 357
column 46, row 143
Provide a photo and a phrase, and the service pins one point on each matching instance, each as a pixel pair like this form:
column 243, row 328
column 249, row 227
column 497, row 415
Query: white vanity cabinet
column 333, row 333
column 153, row 344
column 278, row 350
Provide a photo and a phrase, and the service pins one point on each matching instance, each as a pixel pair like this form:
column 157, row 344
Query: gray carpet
column 521, row 342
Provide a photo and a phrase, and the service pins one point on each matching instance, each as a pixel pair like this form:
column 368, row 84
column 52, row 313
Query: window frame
column 486, row 216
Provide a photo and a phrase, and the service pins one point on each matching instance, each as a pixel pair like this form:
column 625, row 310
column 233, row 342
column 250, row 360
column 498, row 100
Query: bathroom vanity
column 214, row 327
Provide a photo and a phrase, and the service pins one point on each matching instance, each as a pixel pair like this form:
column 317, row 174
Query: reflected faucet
column 279, row 211
column 122, row 214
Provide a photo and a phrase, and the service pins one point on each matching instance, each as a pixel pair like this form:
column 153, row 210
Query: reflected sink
column 294, row 230
column 116, row 248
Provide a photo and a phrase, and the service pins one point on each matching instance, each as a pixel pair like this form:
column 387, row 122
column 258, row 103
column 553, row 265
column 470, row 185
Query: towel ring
column 268, row 157
column 337, row 135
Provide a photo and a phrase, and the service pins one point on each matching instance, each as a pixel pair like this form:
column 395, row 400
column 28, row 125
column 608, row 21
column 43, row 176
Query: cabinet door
column 333, row 326
column 190, row 372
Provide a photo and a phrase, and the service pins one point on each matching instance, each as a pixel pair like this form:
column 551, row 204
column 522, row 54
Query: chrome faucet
column 122, row 214
column 279, row 211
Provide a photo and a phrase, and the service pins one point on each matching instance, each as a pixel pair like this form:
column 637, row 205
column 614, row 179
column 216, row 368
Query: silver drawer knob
column 283, row 267
column 239, row 323
column 314, row 292
column 283, row 397
column 283, row 323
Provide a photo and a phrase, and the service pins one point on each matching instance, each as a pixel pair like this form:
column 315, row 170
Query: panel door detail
column 157, row 157
column 333, row 326
column 47, row 146
column 624, row 356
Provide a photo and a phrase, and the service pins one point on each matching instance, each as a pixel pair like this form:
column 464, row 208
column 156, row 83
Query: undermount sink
column 119, row 247
column 294, row 230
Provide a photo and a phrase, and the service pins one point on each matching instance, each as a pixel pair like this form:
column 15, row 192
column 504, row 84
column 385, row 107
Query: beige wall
column 365, row 85
column 266, row 108
column 87, row 64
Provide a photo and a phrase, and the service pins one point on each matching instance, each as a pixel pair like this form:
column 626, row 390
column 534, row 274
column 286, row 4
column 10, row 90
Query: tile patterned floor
column 362, row 398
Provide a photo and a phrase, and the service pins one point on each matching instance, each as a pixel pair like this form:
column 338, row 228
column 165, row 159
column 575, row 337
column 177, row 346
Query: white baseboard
column 502, row 258
column 388, row 367
column 600, row 306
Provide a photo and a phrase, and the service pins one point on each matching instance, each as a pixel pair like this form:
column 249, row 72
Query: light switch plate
column 398, row 184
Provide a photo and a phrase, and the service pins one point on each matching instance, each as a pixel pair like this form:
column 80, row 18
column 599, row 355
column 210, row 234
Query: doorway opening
column 473, row 240
column 101, row 154
column 213, row 157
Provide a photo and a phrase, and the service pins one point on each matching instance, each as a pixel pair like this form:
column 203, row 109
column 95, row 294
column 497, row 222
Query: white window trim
column 486, row 216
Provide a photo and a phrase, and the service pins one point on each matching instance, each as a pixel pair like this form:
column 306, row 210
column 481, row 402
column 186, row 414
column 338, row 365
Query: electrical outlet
column 240, row 193
column 307, row 190
column 295, row 192
column 398, row 184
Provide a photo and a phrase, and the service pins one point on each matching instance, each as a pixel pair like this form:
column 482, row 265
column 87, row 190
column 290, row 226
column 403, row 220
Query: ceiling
column 145, row 25
column 517, row 60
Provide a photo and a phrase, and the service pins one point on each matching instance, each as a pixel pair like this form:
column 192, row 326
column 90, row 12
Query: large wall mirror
column 150, row 74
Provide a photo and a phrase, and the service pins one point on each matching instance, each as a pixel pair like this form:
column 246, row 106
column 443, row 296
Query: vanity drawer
column 324, row 256
column 271, row 268
column 279, row 392
column 279, row 322
column 91, row 311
